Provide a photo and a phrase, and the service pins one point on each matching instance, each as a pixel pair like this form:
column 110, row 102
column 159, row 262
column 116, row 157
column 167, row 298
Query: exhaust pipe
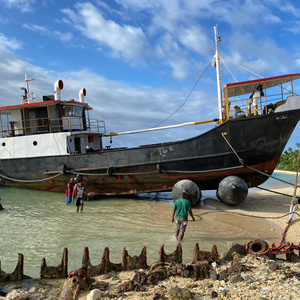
column 82, row 94
column 58, row 86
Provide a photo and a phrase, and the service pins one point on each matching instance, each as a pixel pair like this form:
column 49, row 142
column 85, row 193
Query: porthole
column 3, row 144
column 34, row 143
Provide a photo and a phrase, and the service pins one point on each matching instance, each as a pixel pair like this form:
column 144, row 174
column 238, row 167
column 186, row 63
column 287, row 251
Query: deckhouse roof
column 247, row 87
column 43, row 103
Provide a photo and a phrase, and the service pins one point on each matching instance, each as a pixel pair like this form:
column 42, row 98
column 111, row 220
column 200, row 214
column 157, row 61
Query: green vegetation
column 289, row 160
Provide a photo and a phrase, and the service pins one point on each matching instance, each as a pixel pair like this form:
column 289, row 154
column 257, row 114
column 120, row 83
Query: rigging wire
column 184, row 100
column 235, row 63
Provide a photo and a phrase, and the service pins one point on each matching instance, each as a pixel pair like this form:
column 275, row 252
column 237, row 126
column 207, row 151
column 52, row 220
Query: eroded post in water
column 64, row 263
column 18, row 273
column 51, row 272
column 174, row 257
column 134, row 262
column 205, row 255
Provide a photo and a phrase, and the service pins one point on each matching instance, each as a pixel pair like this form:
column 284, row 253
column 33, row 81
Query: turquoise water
column 40, row 224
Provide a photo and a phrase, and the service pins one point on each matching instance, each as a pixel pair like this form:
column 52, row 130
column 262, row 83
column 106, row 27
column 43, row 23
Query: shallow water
column 40, row 224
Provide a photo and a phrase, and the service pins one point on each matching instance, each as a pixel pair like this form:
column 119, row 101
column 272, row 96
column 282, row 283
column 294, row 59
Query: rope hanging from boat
column 30, row 181
column 274, row 192
column 253, row 169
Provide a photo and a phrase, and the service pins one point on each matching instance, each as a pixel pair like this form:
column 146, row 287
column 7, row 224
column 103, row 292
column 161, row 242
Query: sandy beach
column 263, row 215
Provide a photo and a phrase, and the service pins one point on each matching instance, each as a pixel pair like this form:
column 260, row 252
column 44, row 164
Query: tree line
column 289, row 160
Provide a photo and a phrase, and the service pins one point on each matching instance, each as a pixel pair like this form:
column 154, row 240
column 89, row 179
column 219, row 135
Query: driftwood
column 50, row 272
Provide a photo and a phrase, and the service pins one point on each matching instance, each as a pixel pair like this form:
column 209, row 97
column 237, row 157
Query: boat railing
column 45, row 125
column 243, row 106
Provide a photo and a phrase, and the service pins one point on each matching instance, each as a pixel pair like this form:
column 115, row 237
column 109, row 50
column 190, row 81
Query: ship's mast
column 217, row 61
column 27, row 95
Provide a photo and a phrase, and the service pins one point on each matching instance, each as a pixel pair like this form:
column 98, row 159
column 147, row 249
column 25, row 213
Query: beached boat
column 43, row 144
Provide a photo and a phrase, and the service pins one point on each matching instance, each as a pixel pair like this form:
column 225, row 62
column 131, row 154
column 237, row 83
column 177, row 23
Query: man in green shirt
column 181, row 208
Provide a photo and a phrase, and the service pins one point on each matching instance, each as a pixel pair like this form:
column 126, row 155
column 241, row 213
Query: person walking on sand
column 69, row 191
column 181, row 208
column 80, row 193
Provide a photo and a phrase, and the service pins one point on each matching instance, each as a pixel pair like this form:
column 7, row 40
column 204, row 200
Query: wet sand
column 263, row 215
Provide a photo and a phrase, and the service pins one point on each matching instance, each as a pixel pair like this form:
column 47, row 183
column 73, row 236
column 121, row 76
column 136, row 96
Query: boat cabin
column 49, row 127
column 260, row 96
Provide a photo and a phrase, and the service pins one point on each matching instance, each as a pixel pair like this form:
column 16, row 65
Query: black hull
column 205, row 159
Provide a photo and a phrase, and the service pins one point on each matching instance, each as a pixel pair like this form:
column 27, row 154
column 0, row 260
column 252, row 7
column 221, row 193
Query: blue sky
column 139, row 59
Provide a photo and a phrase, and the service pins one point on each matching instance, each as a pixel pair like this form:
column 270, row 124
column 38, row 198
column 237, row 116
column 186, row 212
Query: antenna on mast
column 217, row 65
column 27, row 95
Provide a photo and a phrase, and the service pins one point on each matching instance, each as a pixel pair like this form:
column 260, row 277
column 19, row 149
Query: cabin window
column 72, row 111
column 3, row 144
column 77, row 111
column 34, row 143
column 67, row 111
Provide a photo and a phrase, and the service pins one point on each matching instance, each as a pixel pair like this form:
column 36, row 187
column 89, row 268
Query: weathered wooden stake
column 18, row 274
column 205, row 255
column 134, row 262
column 174, row 257
column 64, row 263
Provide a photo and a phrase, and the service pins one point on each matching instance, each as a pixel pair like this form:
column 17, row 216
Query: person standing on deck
column 80, row 193
column 181, row 208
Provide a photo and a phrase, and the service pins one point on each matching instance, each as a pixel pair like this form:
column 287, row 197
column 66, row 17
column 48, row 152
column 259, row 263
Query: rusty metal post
column 214, row 250
column 18, row 274
column 86, row 258
column 162, row 254
column 64, row 263
column 144, row 257
column 124, row 259
column 196, row 252
column 105, row 262
column 20, row 265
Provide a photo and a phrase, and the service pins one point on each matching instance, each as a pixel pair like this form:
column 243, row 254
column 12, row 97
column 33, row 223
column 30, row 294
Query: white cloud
column 259, row 54
column 64, row 37
column 122, row 41
column 11, row 43
column 290, row 9
column 23, row 5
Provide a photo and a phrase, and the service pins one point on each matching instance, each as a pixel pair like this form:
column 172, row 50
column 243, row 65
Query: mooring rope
column 30, row 181
column 275, row 192
column 253, row 169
